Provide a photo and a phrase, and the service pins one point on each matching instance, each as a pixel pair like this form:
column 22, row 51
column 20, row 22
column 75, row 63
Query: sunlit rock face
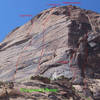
column 42, row 45
column 48, row 45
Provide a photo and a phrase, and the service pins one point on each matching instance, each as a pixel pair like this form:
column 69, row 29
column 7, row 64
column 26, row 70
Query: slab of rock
column 44, row 46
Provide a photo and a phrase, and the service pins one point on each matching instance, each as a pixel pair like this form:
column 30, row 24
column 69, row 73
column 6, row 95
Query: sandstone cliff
column 42, row 46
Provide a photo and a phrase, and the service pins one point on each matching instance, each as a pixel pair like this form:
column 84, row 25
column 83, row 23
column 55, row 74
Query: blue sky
column 10, row 11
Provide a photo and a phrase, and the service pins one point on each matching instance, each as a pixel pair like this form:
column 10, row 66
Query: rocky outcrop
column 48, row 45
column 64, row 90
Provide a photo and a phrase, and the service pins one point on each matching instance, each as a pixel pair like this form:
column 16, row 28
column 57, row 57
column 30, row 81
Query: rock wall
column 42, row 45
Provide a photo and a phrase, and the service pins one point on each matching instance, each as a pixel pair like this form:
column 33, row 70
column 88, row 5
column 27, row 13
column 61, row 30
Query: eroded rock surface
column 48, row 44
column 64, row 90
